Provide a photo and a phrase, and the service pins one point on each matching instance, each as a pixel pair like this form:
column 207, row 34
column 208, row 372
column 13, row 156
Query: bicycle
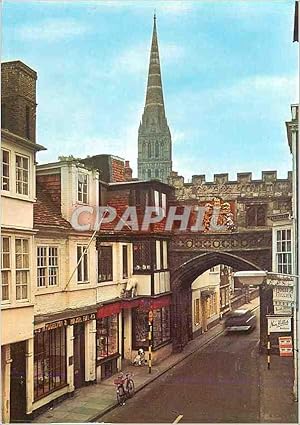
column 124, row 387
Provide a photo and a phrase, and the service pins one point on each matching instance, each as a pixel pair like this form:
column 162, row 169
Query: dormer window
column 82, row 191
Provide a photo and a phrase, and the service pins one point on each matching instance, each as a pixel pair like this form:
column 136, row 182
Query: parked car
column 240, row 320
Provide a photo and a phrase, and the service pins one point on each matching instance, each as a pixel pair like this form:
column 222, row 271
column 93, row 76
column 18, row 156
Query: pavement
column 92, row 402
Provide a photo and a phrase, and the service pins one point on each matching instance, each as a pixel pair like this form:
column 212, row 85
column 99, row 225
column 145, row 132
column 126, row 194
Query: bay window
column 284, row 251
column 5, row 170
column 22, row 268
column 22, row 174
column 142, row 256
column 5, row 268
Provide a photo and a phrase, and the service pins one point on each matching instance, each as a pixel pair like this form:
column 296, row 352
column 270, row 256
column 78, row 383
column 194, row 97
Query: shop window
column 256, row 215
column 22, row 268
column 47, row 266
column 49, row 361
column 22, row 173
column 107, row 337
column 284, row 251
column 197, row 311
column 142, row 256
column 5, row 268
column 105, row 264
column 82, row 188
column 161, row 326
column 140, row 329
column 82, row 259
column 125, row 261
column 149, row 173
column 5, row 176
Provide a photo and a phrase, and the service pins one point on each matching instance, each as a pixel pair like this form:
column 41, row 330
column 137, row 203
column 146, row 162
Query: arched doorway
column 182, row 279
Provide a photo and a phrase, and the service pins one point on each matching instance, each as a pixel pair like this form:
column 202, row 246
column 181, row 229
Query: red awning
column 161, row 301
column 108, row 310
column 131, row 303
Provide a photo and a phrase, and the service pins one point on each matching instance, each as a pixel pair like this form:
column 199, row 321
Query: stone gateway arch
column 182, row 279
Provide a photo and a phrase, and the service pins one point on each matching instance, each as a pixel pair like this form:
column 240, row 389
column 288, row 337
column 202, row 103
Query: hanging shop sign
column 279, row 324
column 282, row 293
column 285, row 346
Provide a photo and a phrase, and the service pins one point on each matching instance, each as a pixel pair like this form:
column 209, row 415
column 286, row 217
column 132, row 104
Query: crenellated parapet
column 243, row 187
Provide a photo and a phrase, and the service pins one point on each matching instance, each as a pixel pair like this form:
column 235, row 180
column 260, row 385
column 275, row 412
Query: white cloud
column 51, row 30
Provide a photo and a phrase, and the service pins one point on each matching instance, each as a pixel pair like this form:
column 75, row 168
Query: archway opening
column 183, row 302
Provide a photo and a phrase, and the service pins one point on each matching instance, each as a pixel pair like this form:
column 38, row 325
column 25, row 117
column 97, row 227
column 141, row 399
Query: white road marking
column 179, row 417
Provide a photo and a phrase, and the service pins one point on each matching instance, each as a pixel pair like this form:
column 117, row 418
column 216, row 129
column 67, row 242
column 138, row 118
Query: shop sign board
column 279, row 324
column 285, row 346
column 283, row 309
column 279, row 280
column 82, row 319
column 66, row 322
column 282, row 293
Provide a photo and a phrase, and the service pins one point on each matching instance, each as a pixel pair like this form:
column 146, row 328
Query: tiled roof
column 46, row 212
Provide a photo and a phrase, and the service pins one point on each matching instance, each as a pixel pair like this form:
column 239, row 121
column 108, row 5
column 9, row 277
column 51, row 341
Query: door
column 18, row 382
column 79, row 355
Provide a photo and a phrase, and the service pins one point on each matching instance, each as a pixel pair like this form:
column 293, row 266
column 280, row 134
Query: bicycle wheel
column 121, row 396
column 130, row 388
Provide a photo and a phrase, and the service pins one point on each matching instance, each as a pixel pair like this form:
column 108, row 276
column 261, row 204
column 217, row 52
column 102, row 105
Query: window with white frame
column 22, row 268
column 82, row 190
column 5, row 165
column 47, row 266
column 82, row 269
column 165, row 259
column 284, row 251
column 164, row 202
column 5, row 268
column 22, row 173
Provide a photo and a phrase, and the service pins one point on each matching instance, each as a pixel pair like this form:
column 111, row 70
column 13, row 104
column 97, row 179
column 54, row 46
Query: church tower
column 154, row 139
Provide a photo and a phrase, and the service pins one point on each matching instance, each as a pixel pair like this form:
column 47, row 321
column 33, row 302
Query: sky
column 229, row 72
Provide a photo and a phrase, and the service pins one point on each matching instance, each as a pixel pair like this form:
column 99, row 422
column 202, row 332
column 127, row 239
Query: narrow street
column 217, row 384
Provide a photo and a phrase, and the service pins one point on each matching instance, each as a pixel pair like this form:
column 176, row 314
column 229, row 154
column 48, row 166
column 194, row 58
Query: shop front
column 161, row 324
column 50, row 358
column 107, row 340
column 63, row 357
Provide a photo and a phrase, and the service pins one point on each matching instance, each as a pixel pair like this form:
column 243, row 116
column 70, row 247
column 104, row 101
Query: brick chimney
column 128, row 171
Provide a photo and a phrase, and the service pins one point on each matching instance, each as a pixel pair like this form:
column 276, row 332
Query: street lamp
column 256, row 278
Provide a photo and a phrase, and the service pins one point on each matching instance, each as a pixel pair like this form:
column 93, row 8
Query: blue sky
column 229, row 71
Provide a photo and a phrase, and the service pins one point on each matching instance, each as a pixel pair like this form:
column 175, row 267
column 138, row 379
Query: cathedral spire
column 154, row 136
column 154, row 95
